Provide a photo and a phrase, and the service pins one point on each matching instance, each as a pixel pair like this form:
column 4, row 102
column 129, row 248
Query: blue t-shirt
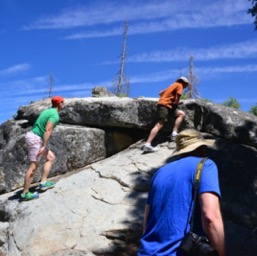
column 170, row 199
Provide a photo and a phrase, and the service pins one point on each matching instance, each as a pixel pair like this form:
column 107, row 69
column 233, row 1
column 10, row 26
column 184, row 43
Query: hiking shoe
column 172, row 137
column 48, row 184
column 149, row 148
column 171, row 144
column 29, row 196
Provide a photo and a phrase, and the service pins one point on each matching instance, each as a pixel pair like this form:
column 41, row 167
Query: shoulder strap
column 196, row 187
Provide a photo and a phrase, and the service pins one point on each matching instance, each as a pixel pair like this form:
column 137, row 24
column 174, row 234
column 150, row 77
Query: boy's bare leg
column 29, row 176
column 50, row 158
column 180, row 115
column 154, row 132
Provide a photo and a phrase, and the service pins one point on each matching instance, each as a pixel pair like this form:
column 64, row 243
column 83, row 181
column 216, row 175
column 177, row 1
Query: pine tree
column 253, row 11
column 232, row 103
column 253, row 110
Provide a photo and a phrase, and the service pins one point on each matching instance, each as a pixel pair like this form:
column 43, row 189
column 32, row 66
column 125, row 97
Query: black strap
column 196, row 187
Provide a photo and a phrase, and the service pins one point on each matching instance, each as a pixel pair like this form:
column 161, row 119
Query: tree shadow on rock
column 125, row 242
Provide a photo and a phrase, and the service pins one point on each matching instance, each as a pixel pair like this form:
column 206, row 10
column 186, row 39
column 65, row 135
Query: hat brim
column 194, row 146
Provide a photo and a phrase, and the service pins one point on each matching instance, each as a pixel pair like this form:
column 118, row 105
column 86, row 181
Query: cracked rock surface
column 107, row 195
column 97, row 205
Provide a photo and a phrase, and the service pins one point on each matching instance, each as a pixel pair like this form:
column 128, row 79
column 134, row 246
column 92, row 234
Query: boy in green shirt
column 36, row 140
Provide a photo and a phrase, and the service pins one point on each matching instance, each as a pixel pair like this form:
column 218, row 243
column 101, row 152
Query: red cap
column 57, row 100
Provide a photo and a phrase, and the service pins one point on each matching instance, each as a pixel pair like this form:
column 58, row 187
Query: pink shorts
column 34, row 143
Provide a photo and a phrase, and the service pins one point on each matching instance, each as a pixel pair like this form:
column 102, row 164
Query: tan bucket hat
column 190, row 139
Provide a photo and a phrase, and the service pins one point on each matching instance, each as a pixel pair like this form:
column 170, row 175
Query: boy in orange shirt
column 167, row 104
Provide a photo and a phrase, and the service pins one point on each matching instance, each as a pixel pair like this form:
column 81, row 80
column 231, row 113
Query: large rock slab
column 224, row 122
column 94, row 209
column 98, row 112
column 140, row 114
column 74, row 146
column 94, row 128
column 91, row 210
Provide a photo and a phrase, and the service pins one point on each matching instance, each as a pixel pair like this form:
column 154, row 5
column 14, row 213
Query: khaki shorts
column 34, row 143
column 164, row 113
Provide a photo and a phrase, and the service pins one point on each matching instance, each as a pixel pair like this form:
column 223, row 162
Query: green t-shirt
column 51, row 115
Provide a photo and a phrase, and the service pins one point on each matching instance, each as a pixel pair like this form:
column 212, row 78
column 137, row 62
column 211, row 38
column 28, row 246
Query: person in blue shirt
column 168, row 207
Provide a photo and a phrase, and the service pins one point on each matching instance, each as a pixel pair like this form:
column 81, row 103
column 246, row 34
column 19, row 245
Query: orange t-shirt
column 168, row 95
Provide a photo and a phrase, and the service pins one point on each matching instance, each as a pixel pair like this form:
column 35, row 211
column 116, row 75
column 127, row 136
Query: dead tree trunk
column 120, row 80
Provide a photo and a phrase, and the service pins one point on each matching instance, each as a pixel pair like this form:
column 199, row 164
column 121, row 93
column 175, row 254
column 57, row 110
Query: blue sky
column 80, row 43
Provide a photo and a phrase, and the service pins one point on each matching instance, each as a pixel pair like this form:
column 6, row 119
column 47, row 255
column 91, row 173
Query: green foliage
column 184, row 96
column 207, row 100
column 232, row 103
column 122, row 95
column 253, row 110
column 253, row 11
column 188, row 92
